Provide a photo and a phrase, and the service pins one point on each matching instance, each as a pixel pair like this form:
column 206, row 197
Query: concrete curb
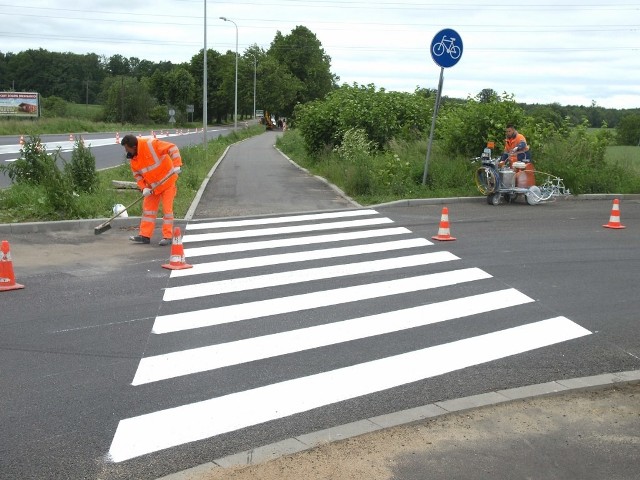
column 89, row 224
column 342, row 432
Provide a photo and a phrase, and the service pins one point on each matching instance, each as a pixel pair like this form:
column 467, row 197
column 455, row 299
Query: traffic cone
column 71, row 137
column 176, row 260
column 443, row 232
column 7, row 278
column 117, row 138
column 614, row 219
column 153, row 133
column 21, row 140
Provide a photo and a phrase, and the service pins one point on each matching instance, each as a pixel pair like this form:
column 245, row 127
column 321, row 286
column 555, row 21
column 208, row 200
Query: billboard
column 19, row 104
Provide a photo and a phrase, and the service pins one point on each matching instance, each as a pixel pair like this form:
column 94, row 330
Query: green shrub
column 159, row 114
column 82, row 168
column 382, row 115
column 465, row 129
column 629, row 129
column 54, row 107
column 33, row 165
column 60, row 198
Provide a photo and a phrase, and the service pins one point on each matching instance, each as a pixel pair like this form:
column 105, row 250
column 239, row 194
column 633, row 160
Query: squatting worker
column 515, row 147
column 155, row 165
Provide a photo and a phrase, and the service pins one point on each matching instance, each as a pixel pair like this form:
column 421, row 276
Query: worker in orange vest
column 155, row 165
column 516, row 149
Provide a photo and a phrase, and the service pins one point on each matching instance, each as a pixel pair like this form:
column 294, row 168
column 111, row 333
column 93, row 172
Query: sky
column 564, row 51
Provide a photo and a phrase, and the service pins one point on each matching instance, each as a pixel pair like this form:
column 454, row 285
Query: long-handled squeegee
column 103, row 227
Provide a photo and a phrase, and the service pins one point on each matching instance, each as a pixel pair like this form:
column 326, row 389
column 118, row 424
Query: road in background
column 107, row 151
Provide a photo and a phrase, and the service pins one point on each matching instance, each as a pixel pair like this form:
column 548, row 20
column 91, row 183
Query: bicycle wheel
column 486, row 180
column 438, row 49
column 455, row 52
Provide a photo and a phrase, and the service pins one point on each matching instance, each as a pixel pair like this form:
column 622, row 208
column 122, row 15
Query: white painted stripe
column 274, row 220
column 261, row 261
column 156, row 431
column 241, row 284
column 207, row 237
column 295, row 241
column 187, row 362
column 295, row 303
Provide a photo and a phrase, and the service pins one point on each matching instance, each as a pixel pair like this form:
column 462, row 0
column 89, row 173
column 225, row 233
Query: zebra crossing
column 295, row 264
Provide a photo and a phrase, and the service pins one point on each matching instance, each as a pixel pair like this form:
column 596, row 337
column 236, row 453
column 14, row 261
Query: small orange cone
column 443, row 231
column 7, row 278
column 71, row 137
column 176, row 260
column 21, row 140
column 117, row 138
column 614, row 219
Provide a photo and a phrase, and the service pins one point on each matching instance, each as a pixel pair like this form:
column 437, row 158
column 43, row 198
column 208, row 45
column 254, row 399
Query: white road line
column 241, row 284
column 163, row 429
column 274, row 220
column 295, row 241
column 295, row 303
column 279, row 259
column 207, row 237
column 187, row 362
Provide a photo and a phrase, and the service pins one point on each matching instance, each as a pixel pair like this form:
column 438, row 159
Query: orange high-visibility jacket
column 154, row 162
column 520, row 142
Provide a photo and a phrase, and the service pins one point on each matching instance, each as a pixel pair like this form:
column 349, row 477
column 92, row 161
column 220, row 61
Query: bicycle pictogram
column 447, row 45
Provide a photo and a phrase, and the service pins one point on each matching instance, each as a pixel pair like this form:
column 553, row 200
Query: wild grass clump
column 370, row 175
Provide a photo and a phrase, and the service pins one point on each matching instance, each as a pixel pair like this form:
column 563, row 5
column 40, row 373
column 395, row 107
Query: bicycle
column 447, row 45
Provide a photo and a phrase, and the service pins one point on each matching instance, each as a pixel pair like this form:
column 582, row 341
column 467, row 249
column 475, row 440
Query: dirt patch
column 510, row 437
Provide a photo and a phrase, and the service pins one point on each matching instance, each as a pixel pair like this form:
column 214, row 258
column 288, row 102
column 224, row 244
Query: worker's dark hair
column 129, row 141
column 509, row 125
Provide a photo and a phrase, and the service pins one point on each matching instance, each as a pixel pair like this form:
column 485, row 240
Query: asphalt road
column 73, row 340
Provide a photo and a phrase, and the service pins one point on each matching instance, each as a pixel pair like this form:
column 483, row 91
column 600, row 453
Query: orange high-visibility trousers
column 150, row 207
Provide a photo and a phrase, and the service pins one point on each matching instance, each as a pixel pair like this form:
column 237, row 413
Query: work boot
column 165, row 241
column 140, row 239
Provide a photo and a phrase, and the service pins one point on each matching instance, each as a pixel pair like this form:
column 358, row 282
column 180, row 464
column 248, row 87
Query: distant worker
column 516, row 151
column 155, row 165
column 515, row 147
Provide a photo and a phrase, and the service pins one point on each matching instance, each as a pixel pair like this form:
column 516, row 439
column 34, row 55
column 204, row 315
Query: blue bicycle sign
column 446, row 48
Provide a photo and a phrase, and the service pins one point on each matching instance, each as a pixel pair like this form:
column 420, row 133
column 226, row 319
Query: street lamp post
column 255, row 70
column 204, row 84
column 235, row 111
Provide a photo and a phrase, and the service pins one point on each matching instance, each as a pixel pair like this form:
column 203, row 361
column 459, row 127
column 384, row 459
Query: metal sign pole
column 436, row 106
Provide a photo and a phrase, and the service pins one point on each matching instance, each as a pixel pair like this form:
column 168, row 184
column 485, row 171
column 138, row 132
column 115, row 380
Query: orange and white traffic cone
column 443, row 231
column 21, row 141
column 614, row 219
column 7, row 277
column 71, row 137
column 117, row 138
column 177, row 260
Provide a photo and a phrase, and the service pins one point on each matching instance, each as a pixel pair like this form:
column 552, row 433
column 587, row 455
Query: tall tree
column 247, row 73
column 126, row 100
column 180, row 88
column 215, row 110
column 118, row 65
column 302, row 54
column 278, row 88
